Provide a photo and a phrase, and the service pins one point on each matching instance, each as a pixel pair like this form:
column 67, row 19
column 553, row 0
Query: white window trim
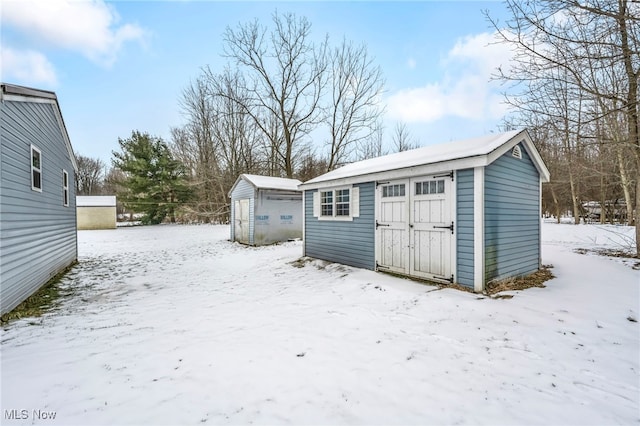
column 33, row 168
column 354, row 204
column 65, row 188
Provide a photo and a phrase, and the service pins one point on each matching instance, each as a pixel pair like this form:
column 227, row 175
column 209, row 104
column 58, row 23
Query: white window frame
column 354, row 203
column 35, row 169
column 339, row 204
column 331, row 204
column 65, row 188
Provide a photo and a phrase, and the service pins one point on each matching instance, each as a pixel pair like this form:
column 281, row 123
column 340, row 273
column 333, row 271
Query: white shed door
column 415, row 228
column 392, row 226
column 241, row 219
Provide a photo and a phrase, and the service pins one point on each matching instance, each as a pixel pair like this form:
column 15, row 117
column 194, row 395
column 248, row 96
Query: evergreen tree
column 154, row 182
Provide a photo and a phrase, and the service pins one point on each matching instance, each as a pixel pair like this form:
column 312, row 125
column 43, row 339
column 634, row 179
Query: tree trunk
column 574, row 199
column 555, row 202
column 624, row 179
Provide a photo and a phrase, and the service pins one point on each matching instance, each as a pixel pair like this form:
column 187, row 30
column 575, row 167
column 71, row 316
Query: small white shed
column 96, row 211
column 265, row 210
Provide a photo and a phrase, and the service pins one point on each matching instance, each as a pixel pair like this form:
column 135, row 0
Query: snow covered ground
column 177, row 325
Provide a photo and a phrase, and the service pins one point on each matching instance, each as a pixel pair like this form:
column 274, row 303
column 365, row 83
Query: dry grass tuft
column 537, row 279
column 42, row 301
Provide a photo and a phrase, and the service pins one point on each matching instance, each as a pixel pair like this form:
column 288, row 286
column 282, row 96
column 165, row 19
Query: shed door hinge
column 451, row 227
column 450, row 174
column 381, row 224
column 445, row 279
column 379, row 266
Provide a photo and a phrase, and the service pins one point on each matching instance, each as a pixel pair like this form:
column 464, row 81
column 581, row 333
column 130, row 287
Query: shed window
column 393, row 190
column 337, row 203
column 430, row 187
column 65, row 188
column 36, row 169
column 342, row 202
column 326, row 203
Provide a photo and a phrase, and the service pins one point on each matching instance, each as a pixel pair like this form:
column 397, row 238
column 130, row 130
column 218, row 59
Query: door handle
column 411, row 225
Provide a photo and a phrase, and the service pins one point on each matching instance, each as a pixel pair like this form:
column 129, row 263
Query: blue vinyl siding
column 464, row 234
column 512, row 217
column 38, row 237
column 243, row 190
column 349, row 242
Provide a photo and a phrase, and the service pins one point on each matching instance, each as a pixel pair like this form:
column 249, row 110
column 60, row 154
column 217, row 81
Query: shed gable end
column 512, row 217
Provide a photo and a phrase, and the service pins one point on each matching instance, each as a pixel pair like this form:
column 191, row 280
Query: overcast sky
column 121, row 66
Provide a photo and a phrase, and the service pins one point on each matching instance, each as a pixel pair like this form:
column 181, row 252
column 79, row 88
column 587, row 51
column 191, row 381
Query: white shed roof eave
column 268, row 182
column 401, row 173
column 469, row 153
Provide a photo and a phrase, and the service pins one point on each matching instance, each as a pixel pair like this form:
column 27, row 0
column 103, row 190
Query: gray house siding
column 464, row 220
column 512, row 217
column 350, row 242
column 243, row 190
column 37, row 232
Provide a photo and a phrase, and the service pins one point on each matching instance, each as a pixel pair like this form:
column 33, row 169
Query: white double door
column 241, row 220
column 414, row 227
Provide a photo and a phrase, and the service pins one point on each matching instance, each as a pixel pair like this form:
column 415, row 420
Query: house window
column 36, row 169
column 430, row 187
column 326, row 203
column 65, row 188
column 393, row 190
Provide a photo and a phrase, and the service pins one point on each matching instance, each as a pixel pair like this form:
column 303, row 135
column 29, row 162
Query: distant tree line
column 284, row 105
column 289, row 105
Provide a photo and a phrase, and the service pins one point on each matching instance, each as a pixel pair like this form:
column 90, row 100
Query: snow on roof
column 270, row 182
column 96, row 201
column 421, row 156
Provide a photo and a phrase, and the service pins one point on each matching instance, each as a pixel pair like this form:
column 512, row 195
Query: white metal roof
column 450, row 155
column 270, row 182
column 95, row 201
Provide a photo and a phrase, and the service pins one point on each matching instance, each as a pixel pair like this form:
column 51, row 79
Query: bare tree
column 586, row 46
column 285, row 75
column 356, row 86
column 402, row 139
column 90, row 177
column 373, row 146
column 195, row 146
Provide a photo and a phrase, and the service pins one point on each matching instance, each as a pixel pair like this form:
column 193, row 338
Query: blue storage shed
column 465, row 212
column 38, row 236
column 265, row 209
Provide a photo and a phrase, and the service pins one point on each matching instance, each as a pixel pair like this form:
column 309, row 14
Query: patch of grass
column 301, row 262
column 537, row 279
column 42, row 301
column 627, row 254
